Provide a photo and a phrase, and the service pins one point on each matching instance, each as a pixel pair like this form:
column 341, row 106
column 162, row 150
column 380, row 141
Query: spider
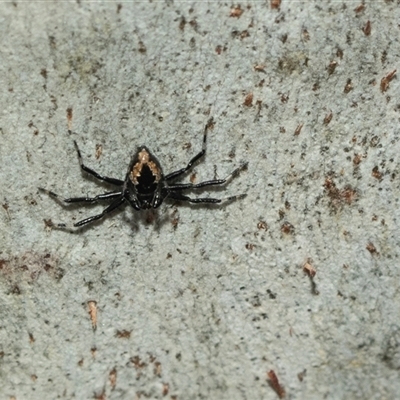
column 145, row 186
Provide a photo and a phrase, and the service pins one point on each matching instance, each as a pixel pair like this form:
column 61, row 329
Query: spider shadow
column 135, row 219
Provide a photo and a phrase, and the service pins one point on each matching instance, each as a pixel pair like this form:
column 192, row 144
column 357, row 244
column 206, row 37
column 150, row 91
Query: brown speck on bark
column 298, row 129
column 244, row 34
column 6, row 207
column 348, row 87
column 371, row 248
column 99, row 151
column 165, row 389
column 348, row 194
column 142, row 48
column 306, row 35
column 376, row 173
column 337, row 196
column 383, row 56
column 137, row 362
column 92, row 305
column 112, row 376
column 248, row 100
column 193, row 23
column 182, row 23
column 359, row 8
column 332, row 66
column 258, row 105
column 157, row 368
column 367, row 28
column 101, row 395
column 69, row 113
column 309, row 269
column 301, row 375
column 386, row 80
column 48, row 224
column 36, row 130
column 357, row 159
column 249, row 246
column 69, row 118
column 274, row 383
column 236, row 12
column 175, row 218
column 259, row 68
column 124, row 334
column 262, row 225
column 339, row 53
column 287, row 228
column 275, row 4
column 210, row 124
column 119, row 7
column 328, row 118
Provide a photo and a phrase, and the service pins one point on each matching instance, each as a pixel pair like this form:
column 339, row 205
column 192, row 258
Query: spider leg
column 181, row 197
column 115, row 204
column 213, row 182
column 90, row 171
column 181, row 171
column 104, row 196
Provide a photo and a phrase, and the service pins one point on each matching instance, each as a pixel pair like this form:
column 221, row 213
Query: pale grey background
column 210, row 307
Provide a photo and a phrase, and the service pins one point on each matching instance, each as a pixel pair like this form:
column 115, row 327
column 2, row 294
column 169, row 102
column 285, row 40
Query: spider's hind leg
column 114, row 205
column 205, row 200
column 118, row 201
column 104, row 196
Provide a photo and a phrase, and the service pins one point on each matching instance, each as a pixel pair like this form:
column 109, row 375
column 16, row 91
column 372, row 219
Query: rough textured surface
column 206, row 308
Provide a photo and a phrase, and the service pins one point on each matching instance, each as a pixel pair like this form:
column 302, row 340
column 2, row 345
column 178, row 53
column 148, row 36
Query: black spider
column 145, row 185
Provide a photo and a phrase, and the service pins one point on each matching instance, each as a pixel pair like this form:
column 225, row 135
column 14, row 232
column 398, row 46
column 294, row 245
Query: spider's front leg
column 197, row 157
column 204, row 200
column 90, row 171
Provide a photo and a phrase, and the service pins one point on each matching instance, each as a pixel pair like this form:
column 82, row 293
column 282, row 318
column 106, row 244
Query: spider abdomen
column 145, row 168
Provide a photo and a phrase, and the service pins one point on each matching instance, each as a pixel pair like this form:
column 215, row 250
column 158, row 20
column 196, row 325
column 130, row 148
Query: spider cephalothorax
column 145, row 186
